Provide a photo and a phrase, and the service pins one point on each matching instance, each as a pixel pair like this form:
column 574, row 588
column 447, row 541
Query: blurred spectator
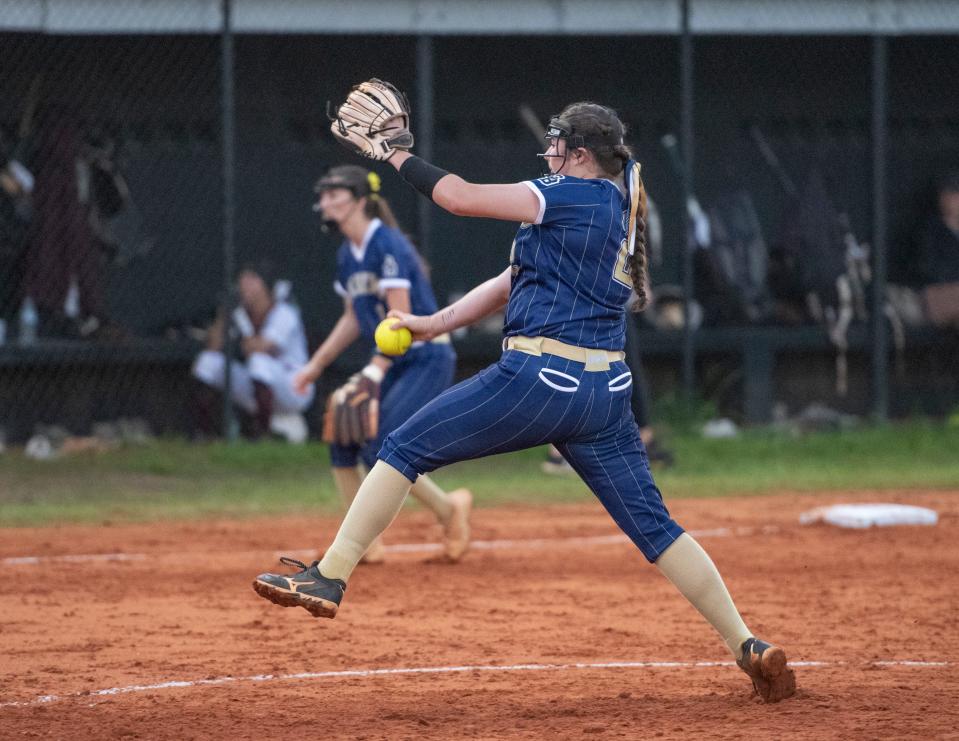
column 937, row 255
column 64, row 270
column 102, row 189
column 16, row 187
column 114, row 218
column 272, row 348
column 937, row 258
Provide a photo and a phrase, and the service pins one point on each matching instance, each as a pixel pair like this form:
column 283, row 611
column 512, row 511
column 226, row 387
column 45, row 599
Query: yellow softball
column 392, row 341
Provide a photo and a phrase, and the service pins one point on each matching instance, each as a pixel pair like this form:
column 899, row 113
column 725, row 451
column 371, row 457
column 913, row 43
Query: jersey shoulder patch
column 391, row 268
column 550, row 180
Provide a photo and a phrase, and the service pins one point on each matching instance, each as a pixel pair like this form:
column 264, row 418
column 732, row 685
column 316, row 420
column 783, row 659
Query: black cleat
column 307, row 588
column 766, row 666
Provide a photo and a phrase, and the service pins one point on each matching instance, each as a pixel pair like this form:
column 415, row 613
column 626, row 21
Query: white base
column 862, row 516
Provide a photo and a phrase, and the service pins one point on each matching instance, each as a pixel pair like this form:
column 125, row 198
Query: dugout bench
column 75, row 383
column 758, row 351
column 761, row 349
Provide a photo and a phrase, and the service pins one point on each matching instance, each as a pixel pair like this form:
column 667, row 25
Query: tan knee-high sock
column 379, row 499
column 347, row 482
column 433, row 498
column 693, row 573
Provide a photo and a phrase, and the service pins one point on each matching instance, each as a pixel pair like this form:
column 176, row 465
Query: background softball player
column 378, row 269
column 578, row 253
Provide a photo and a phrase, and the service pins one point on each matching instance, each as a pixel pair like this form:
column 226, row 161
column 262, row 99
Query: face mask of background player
column 340, row 209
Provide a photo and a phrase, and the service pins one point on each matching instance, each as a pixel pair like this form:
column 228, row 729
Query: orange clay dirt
column 173, row 643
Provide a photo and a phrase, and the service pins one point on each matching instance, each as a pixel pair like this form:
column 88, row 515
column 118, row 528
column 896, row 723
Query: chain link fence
column 111, row 210
column 111, row 230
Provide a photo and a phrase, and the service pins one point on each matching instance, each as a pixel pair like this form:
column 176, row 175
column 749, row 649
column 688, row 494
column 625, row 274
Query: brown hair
column 599, row 129
column 362, row 183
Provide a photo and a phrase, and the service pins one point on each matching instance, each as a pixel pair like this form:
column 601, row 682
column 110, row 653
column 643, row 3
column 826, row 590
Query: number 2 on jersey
column 637, row 205
column 621, row 271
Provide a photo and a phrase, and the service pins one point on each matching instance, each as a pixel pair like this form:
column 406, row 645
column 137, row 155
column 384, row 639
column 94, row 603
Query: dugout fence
column 123, row 217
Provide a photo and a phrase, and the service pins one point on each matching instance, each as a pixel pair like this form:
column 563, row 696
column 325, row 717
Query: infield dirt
column 179, row 608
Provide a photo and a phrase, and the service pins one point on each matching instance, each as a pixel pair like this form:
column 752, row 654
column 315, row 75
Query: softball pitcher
column 378, row 270
column 579, row 251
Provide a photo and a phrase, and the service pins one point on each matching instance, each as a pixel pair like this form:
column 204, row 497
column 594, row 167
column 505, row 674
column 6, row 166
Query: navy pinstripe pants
column 525, row 401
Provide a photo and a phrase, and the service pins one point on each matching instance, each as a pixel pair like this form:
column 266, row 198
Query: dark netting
column 110, row 225
column 924, row 214
column 112, row 257
column 785, row 224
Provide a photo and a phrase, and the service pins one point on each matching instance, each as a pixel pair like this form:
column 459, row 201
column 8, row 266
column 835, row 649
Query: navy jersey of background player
column 561, row 289
column 384, row 260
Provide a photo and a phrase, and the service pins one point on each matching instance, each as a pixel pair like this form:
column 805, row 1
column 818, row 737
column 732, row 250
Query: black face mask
column 559, row 129
column 329, row 226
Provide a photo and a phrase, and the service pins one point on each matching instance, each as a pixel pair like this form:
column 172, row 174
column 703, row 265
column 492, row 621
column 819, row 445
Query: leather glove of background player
column 353, row 410
column 374, row 121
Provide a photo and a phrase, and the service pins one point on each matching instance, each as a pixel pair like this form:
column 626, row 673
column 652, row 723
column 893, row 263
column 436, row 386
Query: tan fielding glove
column 374, row 121
column 353, row 410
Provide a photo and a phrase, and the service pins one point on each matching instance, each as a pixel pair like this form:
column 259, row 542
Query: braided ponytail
column 638, row 262
column 623, row 154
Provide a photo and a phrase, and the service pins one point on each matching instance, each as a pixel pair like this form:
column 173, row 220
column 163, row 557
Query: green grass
column 175, row 479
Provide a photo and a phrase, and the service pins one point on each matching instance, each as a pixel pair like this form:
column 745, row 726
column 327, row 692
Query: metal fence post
column 880, row 344
column 686, row 141
column 424, row 131
column 227, row 119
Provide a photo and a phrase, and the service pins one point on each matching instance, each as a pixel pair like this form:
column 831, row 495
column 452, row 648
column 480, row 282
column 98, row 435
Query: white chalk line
column 81, row 558
column 361, row 673
column 414, row 548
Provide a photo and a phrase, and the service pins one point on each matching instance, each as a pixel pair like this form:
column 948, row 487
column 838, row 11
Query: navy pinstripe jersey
column 569, row 280
column 364, row 272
